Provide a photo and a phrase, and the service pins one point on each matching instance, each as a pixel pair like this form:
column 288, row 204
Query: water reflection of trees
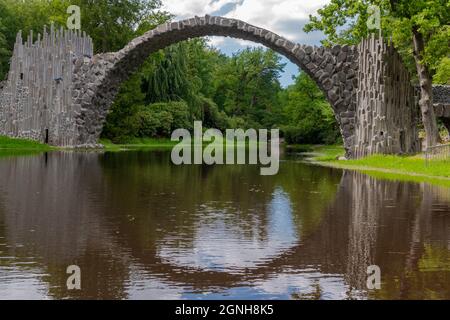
column 88, row 210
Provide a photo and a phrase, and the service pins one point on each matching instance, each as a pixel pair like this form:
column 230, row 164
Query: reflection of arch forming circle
column 333, row 69
column 331, row 255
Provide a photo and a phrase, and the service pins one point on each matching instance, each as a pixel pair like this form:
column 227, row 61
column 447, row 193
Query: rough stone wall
column 441, row 101
column 387, row 114
column 36, row 100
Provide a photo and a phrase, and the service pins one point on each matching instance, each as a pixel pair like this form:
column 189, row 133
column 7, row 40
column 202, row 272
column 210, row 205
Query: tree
column 4, row 53
column 16, row 16
column 174, row 82
column 420, row 30
column 165, row 75
column 427, row 21
column 308, row 117
column 248, row 86
column 442, row 75
column 112, row 24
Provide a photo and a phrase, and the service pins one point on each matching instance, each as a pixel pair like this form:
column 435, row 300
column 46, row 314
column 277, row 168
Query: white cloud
column 189, row 8
column 285, row 17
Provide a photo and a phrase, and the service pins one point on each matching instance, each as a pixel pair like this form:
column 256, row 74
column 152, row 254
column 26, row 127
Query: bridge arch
column 97, row 80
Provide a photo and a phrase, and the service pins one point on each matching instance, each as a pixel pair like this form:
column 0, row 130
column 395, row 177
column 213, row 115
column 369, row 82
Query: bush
column 211, row 116
column 179, row 111
column 148, row 124
column 237, row 123
column 442, row 75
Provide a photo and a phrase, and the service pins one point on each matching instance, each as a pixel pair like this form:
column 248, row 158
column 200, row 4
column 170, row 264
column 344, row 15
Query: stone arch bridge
column 58, row 92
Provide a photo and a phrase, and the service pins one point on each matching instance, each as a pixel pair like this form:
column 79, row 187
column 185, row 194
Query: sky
column 284, row 17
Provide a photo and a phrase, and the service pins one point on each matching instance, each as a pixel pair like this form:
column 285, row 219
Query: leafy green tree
column 427, row 22
column 420, row 30
column 120, row 126
column 4, row 53
column 180, row 72
column 166, row 81
column 442, row 75
column 161, row 119
column 147, row 123
column 179, row 110
column 308, row 117
column 248, row 85
column 212, row 117
column 165, row 75
column 112, row 24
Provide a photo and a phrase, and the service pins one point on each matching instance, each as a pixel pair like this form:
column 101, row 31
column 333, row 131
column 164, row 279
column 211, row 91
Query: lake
column 141, row 228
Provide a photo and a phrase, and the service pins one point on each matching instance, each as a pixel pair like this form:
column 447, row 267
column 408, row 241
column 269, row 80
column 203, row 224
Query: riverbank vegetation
column 386, row 164
column 22, row 144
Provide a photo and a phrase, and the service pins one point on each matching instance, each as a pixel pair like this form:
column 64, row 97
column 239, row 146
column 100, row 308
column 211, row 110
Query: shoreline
column 385, row 167
column 405, row 168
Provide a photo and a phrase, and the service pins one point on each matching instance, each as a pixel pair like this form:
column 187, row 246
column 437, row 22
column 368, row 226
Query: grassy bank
column 151, row 143
column 10, row 144
column 7, row 144
column 405, row 168
column 138, row 143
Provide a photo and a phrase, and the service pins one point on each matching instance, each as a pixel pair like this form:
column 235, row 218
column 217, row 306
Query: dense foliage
column 192, row 81
column 309, row 119
column 442, row 75
column 111, row 24
column 345, row 22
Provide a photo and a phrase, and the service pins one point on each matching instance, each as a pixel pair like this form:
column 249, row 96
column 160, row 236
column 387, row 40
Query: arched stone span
column 57, row 92
column 97, row 80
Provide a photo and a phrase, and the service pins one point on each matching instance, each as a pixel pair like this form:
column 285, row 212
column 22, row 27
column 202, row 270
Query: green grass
column 7, row 143
column 137, row 143
column 410, row 165
column 151, row 143
column 403, row 168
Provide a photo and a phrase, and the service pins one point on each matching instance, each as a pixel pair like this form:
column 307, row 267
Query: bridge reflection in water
column 141, row 228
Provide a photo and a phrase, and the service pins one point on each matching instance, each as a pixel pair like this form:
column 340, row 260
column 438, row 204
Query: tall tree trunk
column 426, row 91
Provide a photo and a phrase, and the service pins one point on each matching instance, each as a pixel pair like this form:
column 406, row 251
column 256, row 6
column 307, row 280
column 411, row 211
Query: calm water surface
column 141, row 228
